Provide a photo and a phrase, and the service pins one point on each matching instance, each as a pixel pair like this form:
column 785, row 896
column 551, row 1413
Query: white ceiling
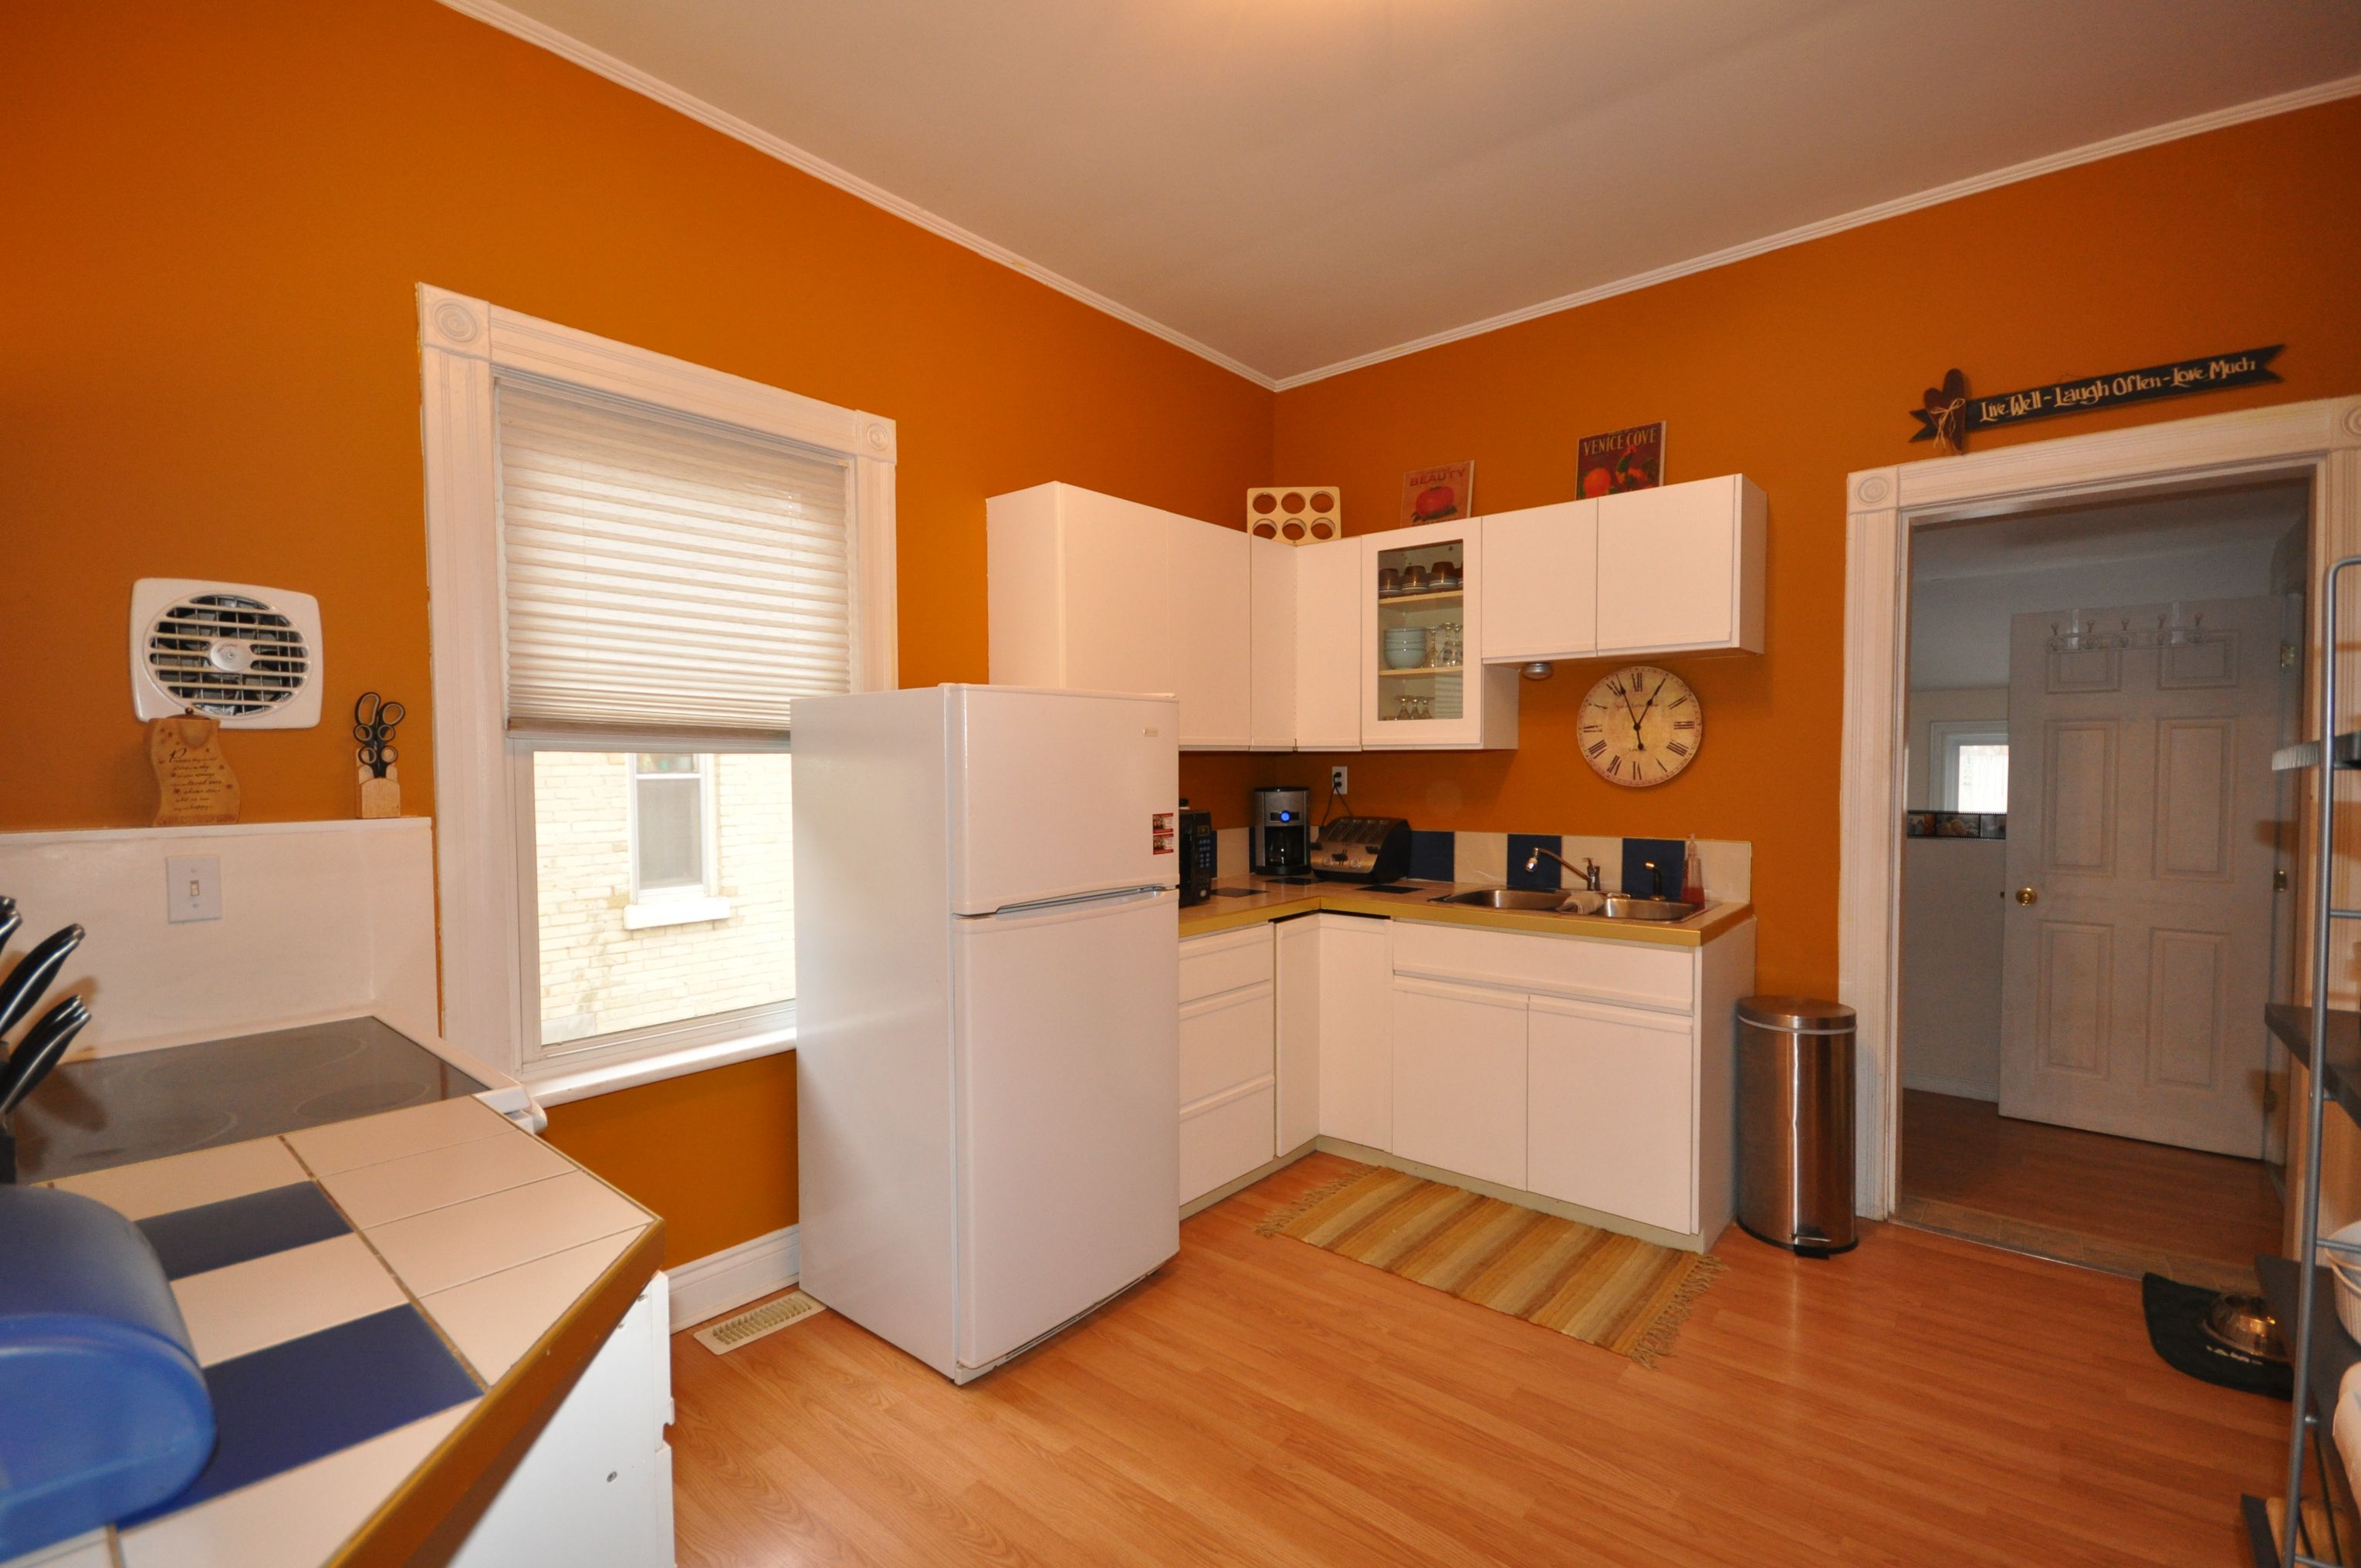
column 1291, row 186
column 1967, row 579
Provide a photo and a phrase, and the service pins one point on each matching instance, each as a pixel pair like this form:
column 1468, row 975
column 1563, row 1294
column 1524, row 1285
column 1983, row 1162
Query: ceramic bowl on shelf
column 1405, row 648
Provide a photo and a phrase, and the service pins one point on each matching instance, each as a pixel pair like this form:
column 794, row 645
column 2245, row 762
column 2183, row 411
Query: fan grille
column 227, row 655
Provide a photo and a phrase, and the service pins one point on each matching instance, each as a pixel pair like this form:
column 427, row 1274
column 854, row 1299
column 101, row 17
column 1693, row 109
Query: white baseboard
column 712, row 1285
column 1964, row 1088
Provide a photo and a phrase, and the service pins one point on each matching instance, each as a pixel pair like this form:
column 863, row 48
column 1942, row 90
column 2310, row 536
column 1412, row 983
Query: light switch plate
column 192, row 888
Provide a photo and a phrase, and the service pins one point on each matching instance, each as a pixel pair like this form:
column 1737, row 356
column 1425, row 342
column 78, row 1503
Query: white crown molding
column 517, row 25
column 1935, row 196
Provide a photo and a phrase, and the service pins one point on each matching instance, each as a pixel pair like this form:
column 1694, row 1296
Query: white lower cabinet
column 1229, row 1057
column 1608, row 1111
column 1459, row 1078
column 1357, row 1067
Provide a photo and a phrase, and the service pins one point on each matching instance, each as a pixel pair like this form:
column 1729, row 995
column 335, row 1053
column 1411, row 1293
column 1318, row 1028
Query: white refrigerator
column 987, row 1011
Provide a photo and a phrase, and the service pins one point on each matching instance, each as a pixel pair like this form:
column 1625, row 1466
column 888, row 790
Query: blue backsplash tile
column 1432, row 856
column 1671, row 856
column 1521, row 850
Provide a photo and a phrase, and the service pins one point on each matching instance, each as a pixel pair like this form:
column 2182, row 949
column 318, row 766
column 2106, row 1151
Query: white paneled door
column 2137, row 956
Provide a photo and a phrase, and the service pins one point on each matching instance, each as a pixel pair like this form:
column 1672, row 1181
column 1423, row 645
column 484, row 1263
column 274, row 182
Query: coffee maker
column 1279, row 831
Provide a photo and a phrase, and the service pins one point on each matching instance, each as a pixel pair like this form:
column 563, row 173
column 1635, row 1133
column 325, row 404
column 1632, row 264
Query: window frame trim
column 482, row 774
column 1946, row 735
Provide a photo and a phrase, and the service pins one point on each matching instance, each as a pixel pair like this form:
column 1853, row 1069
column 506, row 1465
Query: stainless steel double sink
column 1596, row 905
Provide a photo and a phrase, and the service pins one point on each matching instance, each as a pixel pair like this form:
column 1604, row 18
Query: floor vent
column 751, row 1325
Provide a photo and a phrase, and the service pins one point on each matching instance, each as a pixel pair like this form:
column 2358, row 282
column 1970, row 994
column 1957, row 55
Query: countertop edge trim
column 428, row 1516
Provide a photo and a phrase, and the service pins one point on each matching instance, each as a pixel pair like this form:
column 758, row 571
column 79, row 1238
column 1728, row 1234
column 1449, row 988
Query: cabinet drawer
column 1631, row 975
column 1227, row 1041
column 1222, row 1141
column 1225, row 961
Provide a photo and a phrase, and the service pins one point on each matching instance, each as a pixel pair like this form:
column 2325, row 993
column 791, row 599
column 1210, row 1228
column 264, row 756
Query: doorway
column 2092, row 840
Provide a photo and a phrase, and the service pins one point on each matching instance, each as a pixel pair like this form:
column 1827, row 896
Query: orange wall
column 704, row 1151
column 1796, row 367
column 218, row 214
column 217, row 217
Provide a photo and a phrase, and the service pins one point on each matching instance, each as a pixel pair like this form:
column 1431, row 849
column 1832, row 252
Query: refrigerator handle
column 1081, row 907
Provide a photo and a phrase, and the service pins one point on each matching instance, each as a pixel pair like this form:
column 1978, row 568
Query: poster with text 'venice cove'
column 1631, row 459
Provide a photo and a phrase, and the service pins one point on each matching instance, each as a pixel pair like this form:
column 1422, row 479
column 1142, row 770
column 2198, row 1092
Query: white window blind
column 666, row 574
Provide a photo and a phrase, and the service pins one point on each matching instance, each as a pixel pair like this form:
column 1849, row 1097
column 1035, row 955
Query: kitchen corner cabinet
column 1088, row 592
column 1271, row 644
column 1678, row 569
column 1422, row 684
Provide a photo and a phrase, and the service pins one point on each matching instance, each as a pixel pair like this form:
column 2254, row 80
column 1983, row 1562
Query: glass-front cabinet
column 1425, row 683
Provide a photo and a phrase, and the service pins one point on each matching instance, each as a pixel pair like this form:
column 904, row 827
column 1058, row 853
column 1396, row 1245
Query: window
column 637, row 568
column 1970, row 766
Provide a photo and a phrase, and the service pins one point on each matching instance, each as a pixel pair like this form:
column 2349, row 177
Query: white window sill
column 556, row 1083
column 674, row 912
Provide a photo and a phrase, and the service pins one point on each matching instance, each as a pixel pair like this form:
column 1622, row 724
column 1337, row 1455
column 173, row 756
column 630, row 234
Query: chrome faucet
column 1588, row 876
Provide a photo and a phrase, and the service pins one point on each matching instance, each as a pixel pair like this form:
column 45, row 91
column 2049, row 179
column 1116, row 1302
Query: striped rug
column 1613, row 1291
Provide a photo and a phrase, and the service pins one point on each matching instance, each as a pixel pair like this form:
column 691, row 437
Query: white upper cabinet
column 1680, row 568
column 1090, row 593
column 1541, row 583
column 1271, row 665
column 1211, row 632
column 1327, row 646
column 1422, row 628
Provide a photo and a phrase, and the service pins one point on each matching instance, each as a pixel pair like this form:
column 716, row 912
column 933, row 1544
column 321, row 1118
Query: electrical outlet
column 1337, row 782
column 192, row 888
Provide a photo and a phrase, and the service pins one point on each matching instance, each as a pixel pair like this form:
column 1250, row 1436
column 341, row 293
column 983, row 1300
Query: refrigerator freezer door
column 1068, row 1062
column 1059, row 793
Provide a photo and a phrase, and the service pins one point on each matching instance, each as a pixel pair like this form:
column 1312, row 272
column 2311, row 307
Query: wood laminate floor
column 2130, row 1200
column 1921, row 1400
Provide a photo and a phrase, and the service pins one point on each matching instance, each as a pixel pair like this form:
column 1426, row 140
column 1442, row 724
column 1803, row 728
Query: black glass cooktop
column 109, row 1110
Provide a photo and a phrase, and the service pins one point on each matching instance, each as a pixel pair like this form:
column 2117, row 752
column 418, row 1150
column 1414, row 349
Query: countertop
column 389, row 1310
column 1252, row 901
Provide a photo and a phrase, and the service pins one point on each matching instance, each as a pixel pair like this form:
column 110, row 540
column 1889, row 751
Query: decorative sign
column 2211, row 373
column 1430, row 494
column 193, row 784
column 1620, row 460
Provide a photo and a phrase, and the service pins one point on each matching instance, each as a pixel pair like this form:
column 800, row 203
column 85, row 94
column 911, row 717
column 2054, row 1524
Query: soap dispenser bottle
column 1692, row 878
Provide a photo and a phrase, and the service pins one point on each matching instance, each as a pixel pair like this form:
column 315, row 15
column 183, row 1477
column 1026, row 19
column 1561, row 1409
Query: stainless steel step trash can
column 1794, row 1123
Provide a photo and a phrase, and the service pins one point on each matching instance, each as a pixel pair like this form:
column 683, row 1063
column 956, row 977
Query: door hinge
column 2289, row 654
column 2278, row 881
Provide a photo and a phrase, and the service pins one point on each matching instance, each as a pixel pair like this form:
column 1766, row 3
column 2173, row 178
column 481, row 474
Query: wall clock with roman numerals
column 1640, row 726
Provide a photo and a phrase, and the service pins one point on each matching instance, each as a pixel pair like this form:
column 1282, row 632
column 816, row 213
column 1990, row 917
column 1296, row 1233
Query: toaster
column 1361, row 848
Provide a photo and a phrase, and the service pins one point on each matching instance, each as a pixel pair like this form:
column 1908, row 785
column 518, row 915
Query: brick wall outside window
column 599, row 976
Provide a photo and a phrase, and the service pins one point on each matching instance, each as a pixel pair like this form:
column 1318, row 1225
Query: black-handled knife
column 44, row 1043
column 22, row 990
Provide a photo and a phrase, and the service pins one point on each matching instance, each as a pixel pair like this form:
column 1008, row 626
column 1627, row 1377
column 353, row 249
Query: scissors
column 373, row 722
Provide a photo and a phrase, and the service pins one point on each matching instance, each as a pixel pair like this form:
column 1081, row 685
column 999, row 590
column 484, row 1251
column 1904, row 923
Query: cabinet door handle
column 2027, row 896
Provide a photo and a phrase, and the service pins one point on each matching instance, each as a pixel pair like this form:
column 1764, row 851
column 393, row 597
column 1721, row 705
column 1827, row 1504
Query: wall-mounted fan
column 248, row 656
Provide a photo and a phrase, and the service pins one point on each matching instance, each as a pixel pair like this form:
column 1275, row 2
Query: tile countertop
column 1252, row 901
column 388, row 1311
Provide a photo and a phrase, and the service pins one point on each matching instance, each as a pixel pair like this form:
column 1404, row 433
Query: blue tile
column 1671, row 856
column 1521, row 850
column 308, row 1398
column 215, row 1236
column 1431, row 855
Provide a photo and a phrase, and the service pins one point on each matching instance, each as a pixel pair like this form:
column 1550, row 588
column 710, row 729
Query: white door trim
column 2319, row 441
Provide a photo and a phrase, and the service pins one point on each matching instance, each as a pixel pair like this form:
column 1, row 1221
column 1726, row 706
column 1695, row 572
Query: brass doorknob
column 2027, row 896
